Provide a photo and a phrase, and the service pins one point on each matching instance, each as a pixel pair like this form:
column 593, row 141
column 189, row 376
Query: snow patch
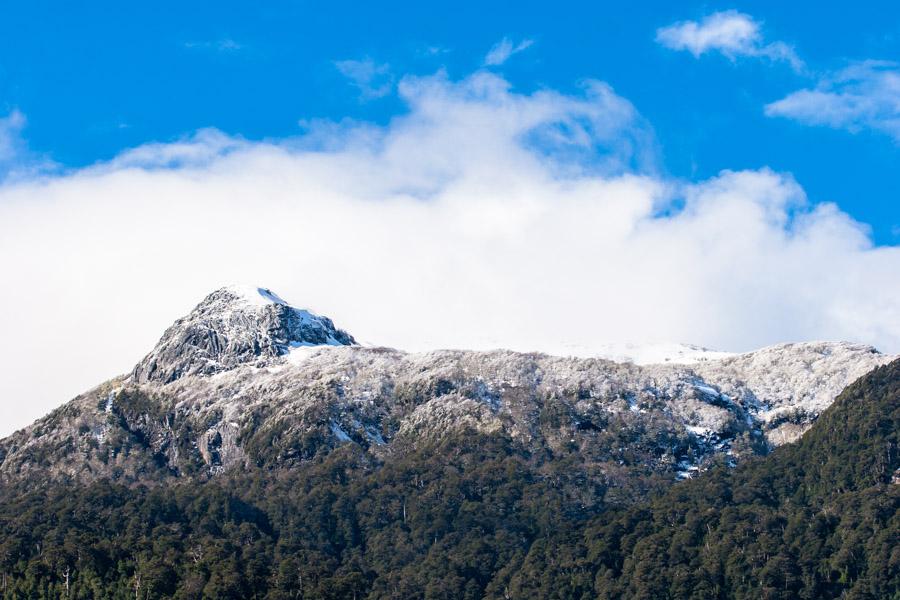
column 708, row 390
column 699, row 431
column 339, row 433
column 259, row 296
column 300, row 352
column 647, row 354
column 255, row 296
column 686, row 470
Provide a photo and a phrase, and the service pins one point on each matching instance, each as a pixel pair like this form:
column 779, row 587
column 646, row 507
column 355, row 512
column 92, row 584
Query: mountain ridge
column 245, row 380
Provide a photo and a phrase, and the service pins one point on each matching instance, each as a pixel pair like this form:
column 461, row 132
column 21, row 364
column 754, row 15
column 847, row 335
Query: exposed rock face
column 233, row 326
column 242, row 382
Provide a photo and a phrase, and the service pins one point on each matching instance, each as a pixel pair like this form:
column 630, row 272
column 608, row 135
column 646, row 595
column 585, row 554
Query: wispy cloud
column 863, row 96
column 373, row 80
column 17, row 161
column 503, row 50
column 432, row 50
column 731, row 33
column 222, row 45
column 10, row 141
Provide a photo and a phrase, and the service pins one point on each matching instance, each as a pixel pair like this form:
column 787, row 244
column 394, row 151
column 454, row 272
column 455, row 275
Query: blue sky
column 92, row 79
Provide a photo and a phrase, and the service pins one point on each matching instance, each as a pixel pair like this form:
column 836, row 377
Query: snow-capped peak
column 232, row 326
column 255, row 296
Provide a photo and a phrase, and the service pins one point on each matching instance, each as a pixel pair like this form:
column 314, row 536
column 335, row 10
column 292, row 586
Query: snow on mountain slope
column 647, row 354
column 254, row 296
column 786, row 386
column 247, row 380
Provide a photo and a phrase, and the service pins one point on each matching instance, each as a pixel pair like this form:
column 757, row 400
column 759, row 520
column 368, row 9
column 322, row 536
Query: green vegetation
column 817, row 519
column 474, row 517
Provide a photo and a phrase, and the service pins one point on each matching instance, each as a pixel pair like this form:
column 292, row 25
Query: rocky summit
column 234, row 326
column 248, row 381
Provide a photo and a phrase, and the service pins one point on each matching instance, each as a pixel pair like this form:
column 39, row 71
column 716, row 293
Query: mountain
column 247, row 381
column 452, row 498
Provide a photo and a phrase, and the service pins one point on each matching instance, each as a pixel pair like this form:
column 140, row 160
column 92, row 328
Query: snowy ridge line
column 245, row 378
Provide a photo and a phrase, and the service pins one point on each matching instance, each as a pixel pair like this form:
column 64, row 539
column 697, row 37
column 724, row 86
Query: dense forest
column 473, row 517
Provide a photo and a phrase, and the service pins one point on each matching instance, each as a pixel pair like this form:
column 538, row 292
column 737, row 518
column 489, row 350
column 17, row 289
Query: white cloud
column 222, row 45
column 865, row 95
column 476, row 220
column 16, row 160
column 503, row 50
column 730, row 33
column 373, row 80
column 433, row 50
column 10, row 140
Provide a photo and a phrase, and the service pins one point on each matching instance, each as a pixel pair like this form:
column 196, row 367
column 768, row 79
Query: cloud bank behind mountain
column 480, row 218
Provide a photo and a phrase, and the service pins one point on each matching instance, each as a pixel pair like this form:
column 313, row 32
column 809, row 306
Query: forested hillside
column 474, row 516
column 817, row 519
